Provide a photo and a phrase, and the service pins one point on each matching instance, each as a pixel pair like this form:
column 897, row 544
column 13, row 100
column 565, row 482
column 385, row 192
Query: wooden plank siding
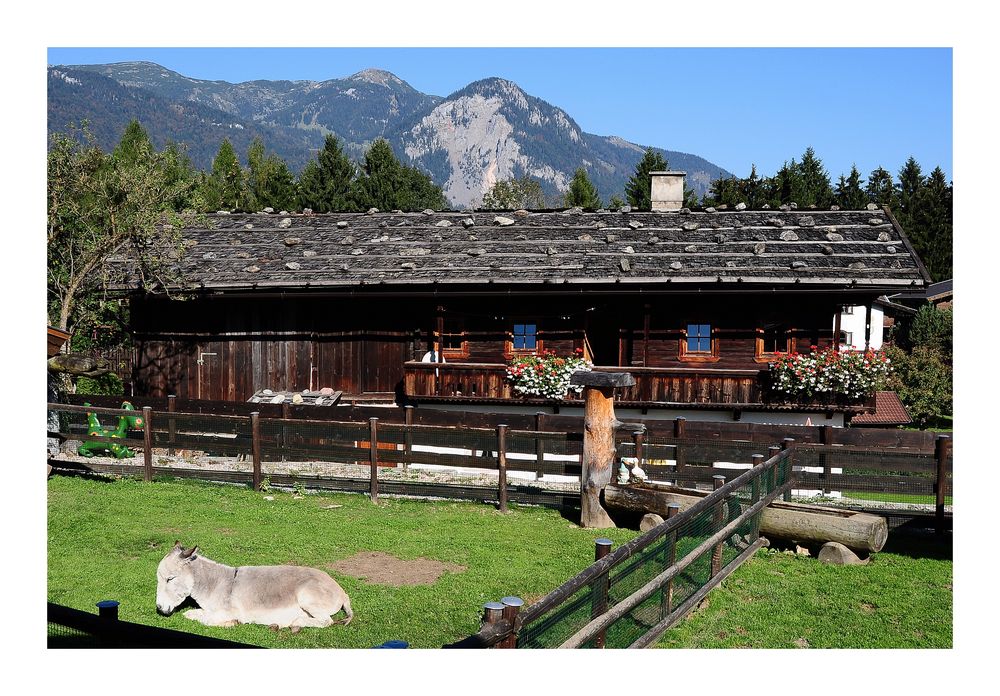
column 229, row 347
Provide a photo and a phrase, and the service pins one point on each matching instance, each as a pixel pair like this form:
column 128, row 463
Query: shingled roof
column 775, row 247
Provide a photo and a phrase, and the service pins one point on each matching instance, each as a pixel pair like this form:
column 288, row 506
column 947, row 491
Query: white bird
column 638, row 474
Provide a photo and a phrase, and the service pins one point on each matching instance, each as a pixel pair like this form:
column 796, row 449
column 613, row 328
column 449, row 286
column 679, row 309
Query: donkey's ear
column 188, row 553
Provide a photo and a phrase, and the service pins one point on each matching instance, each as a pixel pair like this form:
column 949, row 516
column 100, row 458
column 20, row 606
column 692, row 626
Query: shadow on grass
column 919, row 542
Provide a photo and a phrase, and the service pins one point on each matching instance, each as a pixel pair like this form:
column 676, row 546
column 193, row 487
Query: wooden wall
column 227, row 348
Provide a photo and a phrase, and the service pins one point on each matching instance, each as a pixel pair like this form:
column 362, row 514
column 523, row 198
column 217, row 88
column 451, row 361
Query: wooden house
column 692, row 302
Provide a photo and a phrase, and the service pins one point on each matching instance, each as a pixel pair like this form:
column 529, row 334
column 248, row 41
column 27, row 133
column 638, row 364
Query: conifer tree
column 581, row 192
column 325, row 182
column 226, row 187
column 881, row 189
column 134, row 145
column 930, row 225
column 386, row 184
column 816, row 188
column 269, row 179
column 637, row 190
column 849, row 194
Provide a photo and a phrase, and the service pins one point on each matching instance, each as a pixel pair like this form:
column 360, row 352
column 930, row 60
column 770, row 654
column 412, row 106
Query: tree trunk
column 797, row 522
column 79, row 365
column 598, row 455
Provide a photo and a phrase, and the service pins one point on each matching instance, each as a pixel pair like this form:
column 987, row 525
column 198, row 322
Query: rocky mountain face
column 488, row 131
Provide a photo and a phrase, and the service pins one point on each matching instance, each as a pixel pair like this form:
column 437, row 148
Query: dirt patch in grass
column 378, row 568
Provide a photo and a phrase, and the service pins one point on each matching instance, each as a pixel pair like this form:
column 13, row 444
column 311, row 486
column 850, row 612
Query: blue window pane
column 529, row 342
column 705, row 330
column 692, row 330
column 518, row 329
column 692, row 344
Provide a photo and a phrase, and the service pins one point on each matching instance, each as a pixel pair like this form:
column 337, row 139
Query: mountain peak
column 377, row 77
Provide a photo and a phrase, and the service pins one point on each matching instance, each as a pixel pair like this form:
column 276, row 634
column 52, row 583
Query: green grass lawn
column 105, row 540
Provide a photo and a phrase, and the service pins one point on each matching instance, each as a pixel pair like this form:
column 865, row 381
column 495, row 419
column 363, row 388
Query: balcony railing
column 487, row 382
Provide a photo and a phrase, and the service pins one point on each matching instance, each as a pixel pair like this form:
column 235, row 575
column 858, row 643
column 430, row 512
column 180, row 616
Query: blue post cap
column 512, row 601
column 107, row 604
column 393, row 644
column 603, row 542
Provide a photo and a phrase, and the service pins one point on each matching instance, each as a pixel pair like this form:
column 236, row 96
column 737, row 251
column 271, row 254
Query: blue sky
column 735, row 107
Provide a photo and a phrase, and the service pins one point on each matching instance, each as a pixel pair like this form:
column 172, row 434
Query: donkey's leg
column 210, row 618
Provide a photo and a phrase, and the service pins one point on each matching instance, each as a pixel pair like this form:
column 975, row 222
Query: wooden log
column 599, row 425
column 805, row 524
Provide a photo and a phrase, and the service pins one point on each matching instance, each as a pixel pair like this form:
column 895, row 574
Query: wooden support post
column 407, row 436
column 638, row 439
column 171, row 423
column 286, row 413
column 669, row 558
column 942, row 449
column 373, row 457
column 718, row 522
column 599, row 597
column 511, row 606
column 836, row 329
column 825, row 458
column 755, row 461
column 680, row 456
column 255, row 448
column 772, row 452
column 147, row 442
column 502, row 466
column 599, row 425
column 868, row 325
column 787, row 444
column 539, row 446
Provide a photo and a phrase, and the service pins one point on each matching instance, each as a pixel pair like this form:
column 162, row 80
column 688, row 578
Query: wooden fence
column 678, row 428
column 628, row 597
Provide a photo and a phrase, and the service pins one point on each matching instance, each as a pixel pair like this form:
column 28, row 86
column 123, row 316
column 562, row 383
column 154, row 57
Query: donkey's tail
column 347, row 611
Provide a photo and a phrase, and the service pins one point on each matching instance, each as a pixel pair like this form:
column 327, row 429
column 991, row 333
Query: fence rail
column 629, row 596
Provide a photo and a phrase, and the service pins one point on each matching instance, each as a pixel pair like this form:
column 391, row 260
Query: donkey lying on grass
column 276, row 596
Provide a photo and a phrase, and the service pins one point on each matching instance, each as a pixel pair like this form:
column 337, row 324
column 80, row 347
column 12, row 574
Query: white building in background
column 852, row 327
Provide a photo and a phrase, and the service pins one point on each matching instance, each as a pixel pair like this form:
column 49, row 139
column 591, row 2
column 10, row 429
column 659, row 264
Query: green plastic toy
column 94, row 429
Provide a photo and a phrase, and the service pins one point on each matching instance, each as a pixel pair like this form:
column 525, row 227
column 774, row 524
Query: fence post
column 599, row 598
column 669, row 558
column 638, row 437
column 147, row 442
column 772, row 452
column 492, row 611
column 755, row 460
column 942, row 448
column 502, row 466
column 539, row 446
column 787, row 444
column 718, row 518
column 255, row 448
column 171, row 423
column 107, row 611
column 511, row 606
column 824, row 457
column 286, row 414
column 679, row 455
column 373, row 457
column 407, row 436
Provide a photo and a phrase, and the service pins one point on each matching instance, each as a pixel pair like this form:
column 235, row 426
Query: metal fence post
column 511, row 606
column 942, row 448
column 373, row 457
column 147, row 442
column 492, row 611
column 599, row 598
column 286, row 414
column 255, row 448
column 171, row 423
column 755, row 461
column 502, row 466
column 769, row 480
column 107, row 610
column 669, row 558
column 407, row 436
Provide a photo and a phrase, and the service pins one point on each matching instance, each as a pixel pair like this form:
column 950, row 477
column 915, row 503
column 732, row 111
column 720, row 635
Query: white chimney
column 667, row 190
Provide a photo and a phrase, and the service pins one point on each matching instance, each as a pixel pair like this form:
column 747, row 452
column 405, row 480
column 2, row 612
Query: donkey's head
column 174, row 578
